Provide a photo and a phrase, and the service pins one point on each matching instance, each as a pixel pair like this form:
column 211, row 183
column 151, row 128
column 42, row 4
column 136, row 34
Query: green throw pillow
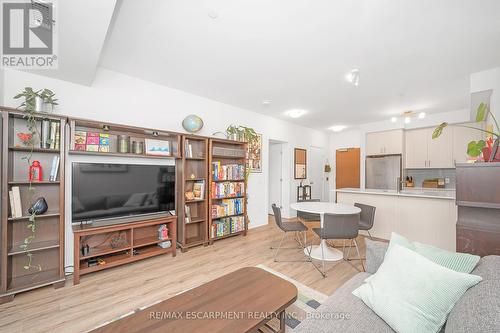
column 411, row 293
column 460, row 262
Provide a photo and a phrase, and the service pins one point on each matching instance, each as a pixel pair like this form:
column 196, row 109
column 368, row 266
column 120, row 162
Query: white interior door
column 275, row 175
column 315, row 168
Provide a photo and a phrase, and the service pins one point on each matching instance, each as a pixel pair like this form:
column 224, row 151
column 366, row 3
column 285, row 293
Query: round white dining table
column 322, row 208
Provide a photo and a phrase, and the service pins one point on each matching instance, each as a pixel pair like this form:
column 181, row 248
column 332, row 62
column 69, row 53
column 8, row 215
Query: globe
column 192, row 123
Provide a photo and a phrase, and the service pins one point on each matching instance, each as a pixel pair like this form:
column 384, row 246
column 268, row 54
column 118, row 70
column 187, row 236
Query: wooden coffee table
column 242, row 301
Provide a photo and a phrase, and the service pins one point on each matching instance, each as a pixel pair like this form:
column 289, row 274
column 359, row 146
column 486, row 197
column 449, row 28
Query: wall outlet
column 447, row 180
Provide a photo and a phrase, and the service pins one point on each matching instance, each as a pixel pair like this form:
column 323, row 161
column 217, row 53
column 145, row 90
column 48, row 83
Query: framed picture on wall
column 300, row 163
column 254, row 155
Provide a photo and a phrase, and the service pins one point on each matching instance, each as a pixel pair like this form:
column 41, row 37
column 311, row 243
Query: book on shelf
column 54, row 169
column 199, row 190
column 187, row 209
column 227, row 171
column 227, row 226
column 227, row 207
column 52, row 136
column 228, row 189
column 57, row 136
column 16, row 209
column 12, row 205
column 45, row 134
column 188, row 149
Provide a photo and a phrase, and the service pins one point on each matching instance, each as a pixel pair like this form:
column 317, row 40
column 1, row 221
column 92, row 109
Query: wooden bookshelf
column 193, row 213
column 140, row 241
column 107, row 142
column 47, row 248
column 227, row 153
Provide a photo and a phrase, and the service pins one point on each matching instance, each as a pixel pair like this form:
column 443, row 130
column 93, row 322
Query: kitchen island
column 423, row 215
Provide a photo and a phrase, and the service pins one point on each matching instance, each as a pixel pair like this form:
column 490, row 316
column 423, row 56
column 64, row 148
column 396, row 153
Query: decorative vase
column 39, row 207
column 492, row 154
column 39, row 104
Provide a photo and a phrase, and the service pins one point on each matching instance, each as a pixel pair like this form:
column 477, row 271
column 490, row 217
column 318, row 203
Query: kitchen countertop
column 419, row 193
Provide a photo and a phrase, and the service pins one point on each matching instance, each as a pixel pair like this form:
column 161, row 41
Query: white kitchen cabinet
column 461, row 138
column 416, row 149
column 440, row 150
column 384, row 143
column 422, row 151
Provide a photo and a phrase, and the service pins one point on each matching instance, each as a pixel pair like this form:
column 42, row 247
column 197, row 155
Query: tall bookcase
column 227, row 189
column 17, row 272
column 193, row 218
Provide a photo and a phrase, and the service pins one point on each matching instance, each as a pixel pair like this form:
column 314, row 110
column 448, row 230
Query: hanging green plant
column 33, row 103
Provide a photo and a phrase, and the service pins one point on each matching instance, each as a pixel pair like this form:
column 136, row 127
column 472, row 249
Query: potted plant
column 42, row 100
column 488, row 148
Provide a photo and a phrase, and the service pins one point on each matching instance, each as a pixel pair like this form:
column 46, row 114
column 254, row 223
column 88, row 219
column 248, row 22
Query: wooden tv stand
column 140, row 236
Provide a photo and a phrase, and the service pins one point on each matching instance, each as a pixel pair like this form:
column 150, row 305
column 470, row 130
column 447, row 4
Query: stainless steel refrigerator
column 382, row 172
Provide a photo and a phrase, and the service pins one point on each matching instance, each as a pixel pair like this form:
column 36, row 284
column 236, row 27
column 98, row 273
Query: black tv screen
column 104, row 191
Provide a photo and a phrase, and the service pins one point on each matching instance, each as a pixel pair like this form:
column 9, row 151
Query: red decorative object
column 35, row 172
column 25, row 138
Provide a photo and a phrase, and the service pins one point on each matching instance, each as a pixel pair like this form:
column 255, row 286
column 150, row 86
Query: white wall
column 2, row 85
column 118, row 98
column 485, row 80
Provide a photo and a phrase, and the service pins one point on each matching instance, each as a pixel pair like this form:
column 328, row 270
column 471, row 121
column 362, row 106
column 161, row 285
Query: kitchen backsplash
column 420, row 174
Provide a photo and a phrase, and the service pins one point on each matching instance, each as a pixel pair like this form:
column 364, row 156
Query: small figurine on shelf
column 35, row 173
column 162, row 232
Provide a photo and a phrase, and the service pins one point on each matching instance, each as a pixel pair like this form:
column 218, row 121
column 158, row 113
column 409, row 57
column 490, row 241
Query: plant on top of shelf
column 34, row 101
column 475, row 148
column 243, row 133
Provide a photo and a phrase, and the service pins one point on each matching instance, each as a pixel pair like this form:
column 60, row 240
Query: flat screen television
column 110, row 191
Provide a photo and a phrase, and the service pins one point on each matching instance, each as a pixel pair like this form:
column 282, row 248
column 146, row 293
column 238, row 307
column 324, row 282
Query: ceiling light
column 407, row 120
column 421, row 115
column 338, row 128
column 212, row 14
column 353, row 77
column 295, row 113
column 266, row 102
column 394, row 119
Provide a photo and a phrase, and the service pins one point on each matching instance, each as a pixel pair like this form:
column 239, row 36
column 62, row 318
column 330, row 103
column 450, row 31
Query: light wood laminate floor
column 110, row 293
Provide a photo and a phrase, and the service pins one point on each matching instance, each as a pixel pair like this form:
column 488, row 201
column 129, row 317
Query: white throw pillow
column 411, row 293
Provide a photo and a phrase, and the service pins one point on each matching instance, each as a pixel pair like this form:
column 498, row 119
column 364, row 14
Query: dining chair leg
column 370, row 235
column 272, row 242
column 323, row 258
column 359, row 256
column 278, row 248
column 349, row 252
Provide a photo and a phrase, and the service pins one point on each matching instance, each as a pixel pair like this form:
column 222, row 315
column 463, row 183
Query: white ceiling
column 81, row 30
column 412, row 54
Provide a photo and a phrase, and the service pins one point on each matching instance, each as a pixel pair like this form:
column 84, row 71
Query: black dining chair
column 288, row 227
column 308, row 217
column 367, row 217
column 338, row 227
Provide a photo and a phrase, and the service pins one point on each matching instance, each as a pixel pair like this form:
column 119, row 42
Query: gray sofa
column 477, row 311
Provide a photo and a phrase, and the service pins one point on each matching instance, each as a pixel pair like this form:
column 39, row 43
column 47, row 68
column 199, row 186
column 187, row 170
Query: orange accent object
column 35, row 172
